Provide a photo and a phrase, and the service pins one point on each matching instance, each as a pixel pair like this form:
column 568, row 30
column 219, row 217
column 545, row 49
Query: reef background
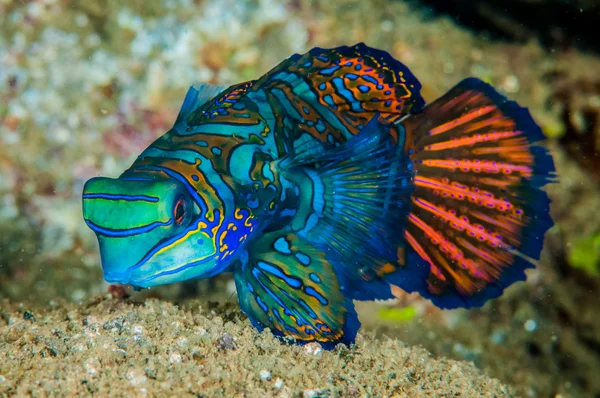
column 85, row 86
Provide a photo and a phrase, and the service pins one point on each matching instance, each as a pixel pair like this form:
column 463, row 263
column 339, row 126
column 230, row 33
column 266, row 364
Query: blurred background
column 85, row 86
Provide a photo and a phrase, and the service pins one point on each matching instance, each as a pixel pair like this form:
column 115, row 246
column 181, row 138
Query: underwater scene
column 300, row 198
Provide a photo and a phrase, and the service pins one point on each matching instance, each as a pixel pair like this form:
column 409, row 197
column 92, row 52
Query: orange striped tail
column 478, row 215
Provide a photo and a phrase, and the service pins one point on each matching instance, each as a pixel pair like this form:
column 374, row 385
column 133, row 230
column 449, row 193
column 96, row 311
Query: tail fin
column 478, row 215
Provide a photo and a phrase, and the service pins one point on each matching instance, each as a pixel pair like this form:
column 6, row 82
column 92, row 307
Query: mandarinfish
column 329, row 180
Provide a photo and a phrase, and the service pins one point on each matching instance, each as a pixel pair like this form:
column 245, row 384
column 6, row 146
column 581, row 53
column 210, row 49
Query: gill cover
column 148, row 231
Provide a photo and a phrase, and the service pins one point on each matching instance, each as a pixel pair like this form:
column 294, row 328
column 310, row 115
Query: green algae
column 585, row 255
column 397, row 314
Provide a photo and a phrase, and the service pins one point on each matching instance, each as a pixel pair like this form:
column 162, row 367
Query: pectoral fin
column 288, row 285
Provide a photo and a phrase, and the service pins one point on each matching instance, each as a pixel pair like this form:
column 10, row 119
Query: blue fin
column 360, row 199
column 197, row 95
column 288, row 286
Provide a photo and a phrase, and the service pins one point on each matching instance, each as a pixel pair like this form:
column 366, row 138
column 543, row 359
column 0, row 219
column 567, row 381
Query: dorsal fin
column 331, row 94
column 197, row 95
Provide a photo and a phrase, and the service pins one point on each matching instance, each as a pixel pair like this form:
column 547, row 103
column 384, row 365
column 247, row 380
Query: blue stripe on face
column 213, row 178
column 177, row 270
column 121, row 233
column 160, row 245
column 129, row 198
column 183, row 180
column 135, row 179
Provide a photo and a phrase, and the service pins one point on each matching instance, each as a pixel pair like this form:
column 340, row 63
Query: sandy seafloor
column 154, row 348
column 85, row 86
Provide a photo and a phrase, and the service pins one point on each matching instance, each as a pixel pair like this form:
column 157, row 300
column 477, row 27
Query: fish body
column 329, row 180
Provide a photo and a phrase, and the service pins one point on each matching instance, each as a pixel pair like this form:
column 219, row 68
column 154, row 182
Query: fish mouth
column 122, row 278
column 127, row 278
column 148, row 279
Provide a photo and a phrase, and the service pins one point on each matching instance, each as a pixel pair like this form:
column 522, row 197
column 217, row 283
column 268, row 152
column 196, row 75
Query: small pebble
column 90, row 367
column 90, row 321
column 459, row 348
column 497, row 337
column 78, row 295
column 226, row 342
column 201, row 331
column 265, row 375
column 135, row 378
column 313, row 349
column 387, row 26
column 138, row 329
column 511, row 84
column 175, row 358
column 120, row 351
column 28, row 316
column 530, row 325
column 313, row 393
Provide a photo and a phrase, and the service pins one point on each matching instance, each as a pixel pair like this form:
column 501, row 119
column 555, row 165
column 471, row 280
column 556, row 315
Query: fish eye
column 179, row 211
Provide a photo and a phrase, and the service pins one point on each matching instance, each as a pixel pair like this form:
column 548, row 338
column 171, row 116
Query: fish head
column 150, row 232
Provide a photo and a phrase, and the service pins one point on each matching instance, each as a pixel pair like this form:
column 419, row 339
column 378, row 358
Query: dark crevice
column 558, row 24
